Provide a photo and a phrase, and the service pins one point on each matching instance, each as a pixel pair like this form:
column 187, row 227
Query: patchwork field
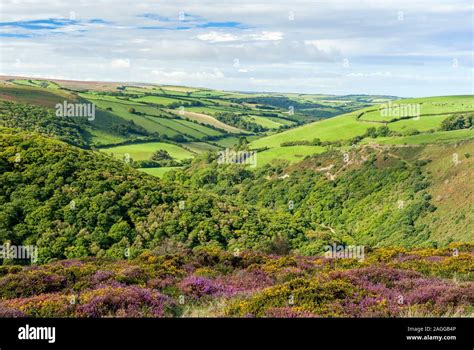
column 346, row 127
column 131, row 112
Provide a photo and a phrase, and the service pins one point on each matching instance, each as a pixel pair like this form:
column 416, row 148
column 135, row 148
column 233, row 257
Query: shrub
column 30, row 282
column 44, row 305
column 129, row 301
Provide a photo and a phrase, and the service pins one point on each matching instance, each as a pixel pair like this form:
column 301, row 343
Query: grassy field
column 337, row 128
column 157, row 172
column 214, row 109
column 280, row 120
column 36, row 83
column 291, row 154
column 265, row 122
column 174, row 124
column 231, row 141
column 153, row 119
column 144, row 151
column 106, row 98
column 101, row 138
column 159, row 100
column 200, row 147
column 206, row 119
column 427, row 106
column 439, row 136
column 122, row 110
column 202, row 128
column 420, row 124
column 347, row 126
column 34, row 95
column 197, row 123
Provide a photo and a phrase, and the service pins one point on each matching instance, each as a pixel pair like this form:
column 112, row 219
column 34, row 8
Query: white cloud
column 275, row 53
column 182, row 77
column 120, row 63
column 216, row 37
column 267, row 36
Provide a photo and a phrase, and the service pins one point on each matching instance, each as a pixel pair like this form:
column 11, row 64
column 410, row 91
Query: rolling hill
column 351, row 128
column 131, row 237
column 141, row 113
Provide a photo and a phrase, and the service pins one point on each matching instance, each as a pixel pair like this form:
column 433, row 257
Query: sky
column 390, row 47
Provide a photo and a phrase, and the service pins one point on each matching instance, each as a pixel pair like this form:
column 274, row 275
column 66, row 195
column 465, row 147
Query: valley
column 136, row 213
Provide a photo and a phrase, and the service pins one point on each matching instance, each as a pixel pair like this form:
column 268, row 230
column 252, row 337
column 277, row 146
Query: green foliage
column 43, row 120
column 237, row 121
column 160, row 154
column 458, row 121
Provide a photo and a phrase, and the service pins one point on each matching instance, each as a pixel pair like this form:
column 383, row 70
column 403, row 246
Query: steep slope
column 76, row 203
column 71, row 202
column 373, row 195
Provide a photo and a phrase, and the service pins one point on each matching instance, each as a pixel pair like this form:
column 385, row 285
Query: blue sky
column 392, row 47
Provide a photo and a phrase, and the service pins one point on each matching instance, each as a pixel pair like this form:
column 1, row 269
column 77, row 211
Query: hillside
column 378, row 195
column 355, row 127
column 233, row 240
column 214, row 241
column 333, row 171
column 152, row 115
column 115, row 207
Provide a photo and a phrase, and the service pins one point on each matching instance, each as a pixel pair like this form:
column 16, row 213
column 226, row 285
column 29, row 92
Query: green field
column 231, row 141
column 420, row 124
column 198, row 127
column 102, row 138
column 291, row 154
column 280, row 120
column 200, row 147
column 201, row 128
column 106, row 98
column 427, row 106
column 159, row 100
column 263, row 121
column 144, row 151
column 174, row 122
column 337, row 128
column 206, row 119
column 347, row 126
column 122, row 110
column 439, row 136
column 157, row 172
column 36, row 83
column 34, row 95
